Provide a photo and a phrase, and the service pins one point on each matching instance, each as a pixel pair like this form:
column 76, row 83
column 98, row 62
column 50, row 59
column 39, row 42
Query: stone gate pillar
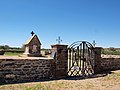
column 97, row 63
column 61, row 60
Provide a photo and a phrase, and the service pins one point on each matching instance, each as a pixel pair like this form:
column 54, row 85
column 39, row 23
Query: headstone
column 53, row 54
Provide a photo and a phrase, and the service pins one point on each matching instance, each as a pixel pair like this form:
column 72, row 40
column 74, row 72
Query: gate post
column 97, row 61
column 61, row 60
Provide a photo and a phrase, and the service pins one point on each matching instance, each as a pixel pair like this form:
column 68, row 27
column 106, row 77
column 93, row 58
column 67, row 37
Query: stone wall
column 29, row 69
column 108, row 64
column 15, row 70
column 23, row 70
column 105, row 64
column 61, row 60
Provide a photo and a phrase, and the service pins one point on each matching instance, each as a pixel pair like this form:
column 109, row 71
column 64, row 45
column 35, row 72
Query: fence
column 35, row 69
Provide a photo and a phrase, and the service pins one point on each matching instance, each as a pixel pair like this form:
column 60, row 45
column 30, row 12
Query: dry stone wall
column 29, row 70
column 107, row 64
column 61, row 60
column 23, row 70
column 111, row 62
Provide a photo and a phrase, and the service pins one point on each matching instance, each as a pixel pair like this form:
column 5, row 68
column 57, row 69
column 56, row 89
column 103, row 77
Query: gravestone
column 33, row 46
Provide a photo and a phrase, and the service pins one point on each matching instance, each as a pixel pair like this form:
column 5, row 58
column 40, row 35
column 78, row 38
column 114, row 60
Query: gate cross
column 59, row 40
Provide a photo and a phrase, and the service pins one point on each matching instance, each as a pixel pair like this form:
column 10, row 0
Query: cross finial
column 94, row 43
column 59, row 40
column 32, row 33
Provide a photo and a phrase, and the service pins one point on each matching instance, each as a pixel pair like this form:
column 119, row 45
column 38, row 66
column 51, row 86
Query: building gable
column 33, row 46
column 34, row 39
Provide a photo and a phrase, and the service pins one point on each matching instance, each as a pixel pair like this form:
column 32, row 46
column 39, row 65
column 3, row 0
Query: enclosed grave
column 33, row 46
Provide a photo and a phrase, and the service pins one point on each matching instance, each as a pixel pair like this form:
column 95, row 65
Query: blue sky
column 73, row 20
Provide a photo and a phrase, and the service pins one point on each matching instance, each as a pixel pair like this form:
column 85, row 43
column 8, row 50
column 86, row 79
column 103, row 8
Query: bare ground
column 107, row 82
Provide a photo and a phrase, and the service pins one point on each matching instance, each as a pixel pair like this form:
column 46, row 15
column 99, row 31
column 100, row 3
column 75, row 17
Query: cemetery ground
column 105, row 81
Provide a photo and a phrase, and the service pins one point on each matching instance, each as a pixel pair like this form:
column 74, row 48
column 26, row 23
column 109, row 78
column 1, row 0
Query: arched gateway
column 81, row 59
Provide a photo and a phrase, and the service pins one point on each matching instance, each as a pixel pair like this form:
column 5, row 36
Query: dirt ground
column 110, row 81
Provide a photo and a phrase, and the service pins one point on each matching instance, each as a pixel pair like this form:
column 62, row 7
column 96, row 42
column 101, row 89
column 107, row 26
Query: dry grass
column 109, row 82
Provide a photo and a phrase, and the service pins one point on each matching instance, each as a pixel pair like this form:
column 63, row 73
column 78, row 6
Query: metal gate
column 80, row 59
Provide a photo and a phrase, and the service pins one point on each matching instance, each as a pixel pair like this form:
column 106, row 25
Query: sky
column 72, row 20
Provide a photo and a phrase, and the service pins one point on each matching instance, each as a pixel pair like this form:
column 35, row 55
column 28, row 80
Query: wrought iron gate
column 80, row 59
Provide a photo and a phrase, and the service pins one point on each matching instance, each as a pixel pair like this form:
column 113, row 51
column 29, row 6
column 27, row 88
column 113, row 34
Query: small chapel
column 32, row 46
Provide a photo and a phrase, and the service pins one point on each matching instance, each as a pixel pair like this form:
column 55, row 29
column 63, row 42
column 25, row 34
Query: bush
column 111, row 51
